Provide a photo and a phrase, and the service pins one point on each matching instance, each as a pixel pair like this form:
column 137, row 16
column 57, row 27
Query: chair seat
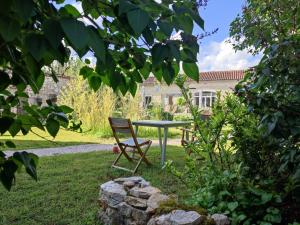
column 130, row 142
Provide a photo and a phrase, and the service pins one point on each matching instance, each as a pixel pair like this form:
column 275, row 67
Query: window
column 52, row 98
column 170, row 100
column 207, row 99
column 197, row 99
column 147, row 101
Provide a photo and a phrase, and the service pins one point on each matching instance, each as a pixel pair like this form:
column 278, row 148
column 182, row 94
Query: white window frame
column 146, row 103
column 200, row 97
column 211, row 97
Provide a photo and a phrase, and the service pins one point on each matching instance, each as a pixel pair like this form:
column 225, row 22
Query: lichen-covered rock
column 181, row 217
column 155, row 200
column 144, row 192
column 128, row 185
column 112, row 193
column 141, row 217
column 136, row 202
column 160, row 220
column 134, row 179
column 125, row 209
column 132, row 201
column 220, row 219
column 128, row 221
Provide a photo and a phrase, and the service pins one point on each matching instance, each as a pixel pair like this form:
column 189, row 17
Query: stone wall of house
column 50, row 90
column 133, row 201
column 158, row 91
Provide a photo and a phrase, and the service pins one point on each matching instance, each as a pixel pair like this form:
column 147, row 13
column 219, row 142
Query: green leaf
column 77, row 34
column 69, row 10
column 232, row 205
column 52, row 126
column 147, row 34
column 7, row 173
column 40, row 80
column 29, row 161
column 4, row 80
column 159, row 52
column 53, row 32
column 174, row 49
column 132, row 87
column 145, row 71
column 10, row 29
column 86, row 72
column 166, row 27
column 197, row 18
column 95, row 81
column 5, row 123
column 24, row 9
column 15, row 128
column 138, row 20
column 185, row 23
column 97, row 44
column 126, row 6
column 191, row 70
column 66, row 109
column 157, row 73
column 36, row 45
column 10, row 144
column 168, row 73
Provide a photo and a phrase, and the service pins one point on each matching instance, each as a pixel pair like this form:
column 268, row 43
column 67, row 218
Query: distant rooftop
column 211, row 76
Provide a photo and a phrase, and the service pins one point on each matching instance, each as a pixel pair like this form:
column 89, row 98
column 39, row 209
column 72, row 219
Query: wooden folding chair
column 124, row 126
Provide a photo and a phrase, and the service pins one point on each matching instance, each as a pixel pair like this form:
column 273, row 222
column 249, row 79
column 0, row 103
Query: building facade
column 204, row 91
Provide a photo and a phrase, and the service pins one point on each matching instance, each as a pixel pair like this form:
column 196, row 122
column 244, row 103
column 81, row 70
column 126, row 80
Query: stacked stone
column 133, row 201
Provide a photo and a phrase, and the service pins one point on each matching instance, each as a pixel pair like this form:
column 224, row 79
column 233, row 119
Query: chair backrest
column 121, row 126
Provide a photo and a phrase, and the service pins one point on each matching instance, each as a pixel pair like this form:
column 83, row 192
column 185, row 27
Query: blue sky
column 219, row 14
column 215, row 52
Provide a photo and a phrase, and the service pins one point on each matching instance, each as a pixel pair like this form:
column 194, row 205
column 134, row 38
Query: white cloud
column 222, row 56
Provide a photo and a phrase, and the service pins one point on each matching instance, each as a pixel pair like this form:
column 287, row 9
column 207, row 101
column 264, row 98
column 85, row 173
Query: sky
column 215, row 51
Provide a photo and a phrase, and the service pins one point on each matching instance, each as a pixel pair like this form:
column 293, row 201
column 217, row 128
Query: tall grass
column 92, row 108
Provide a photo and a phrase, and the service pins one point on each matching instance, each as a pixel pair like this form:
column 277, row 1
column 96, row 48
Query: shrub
column 216, row 174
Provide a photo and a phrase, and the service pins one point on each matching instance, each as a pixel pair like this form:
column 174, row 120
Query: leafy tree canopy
column 129, row 38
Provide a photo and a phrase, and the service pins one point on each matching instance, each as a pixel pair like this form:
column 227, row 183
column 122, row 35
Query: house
column 204, row 91
column 50, row 90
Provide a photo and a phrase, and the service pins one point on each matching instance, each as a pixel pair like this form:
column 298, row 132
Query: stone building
column 50, row 90
column 204, row 91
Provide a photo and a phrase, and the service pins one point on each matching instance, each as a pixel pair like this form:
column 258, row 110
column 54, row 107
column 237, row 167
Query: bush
column 216, row 174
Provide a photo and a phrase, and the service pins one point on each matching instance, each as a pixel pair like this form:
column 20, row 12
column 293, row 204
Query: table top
column 161, row 123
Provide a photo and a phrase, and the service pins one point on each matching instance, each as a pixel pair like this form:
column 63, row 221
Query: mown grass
column 41, row 139
column 68, row 187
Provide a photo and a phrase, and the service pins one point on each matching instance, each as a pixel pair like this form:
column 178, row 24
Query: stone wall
column 133, row 201
column 50, row 90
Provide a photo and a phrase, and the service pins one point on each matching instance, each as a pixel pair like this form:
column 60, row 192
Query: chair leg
column 119, row 156
column 143, row 157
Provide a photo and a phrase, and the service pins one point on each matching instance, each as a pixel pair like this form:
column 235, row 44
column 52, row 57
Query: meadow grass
column 67, row 138
column 68, row 187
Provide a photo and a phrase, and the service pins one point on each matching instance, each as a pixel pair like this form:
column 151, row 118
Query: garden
column 243, row 162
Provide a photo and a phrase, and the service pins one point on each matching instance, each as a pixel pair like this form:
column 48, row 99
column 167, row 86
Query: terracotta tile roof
column 222, row 75
column 210, row 76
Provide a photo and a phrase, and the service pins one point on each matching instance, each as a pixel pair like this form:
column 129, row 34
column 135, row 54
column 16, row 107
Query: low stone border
column 133, row 201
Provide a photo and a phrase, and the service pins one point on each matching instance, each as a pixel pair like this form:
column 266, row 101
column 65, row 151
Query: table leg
column 136, row 130
column 163, row 155
column 160, row 139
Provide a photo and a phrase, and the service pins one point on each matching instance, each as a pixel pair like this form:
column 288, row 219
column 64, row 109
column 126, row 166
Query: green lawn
column 64, row 138
column 67, row 138
column 68, row 187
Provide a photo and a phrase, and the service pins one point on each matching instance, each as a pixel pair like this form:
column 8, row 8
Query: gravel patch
column 79, row 149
